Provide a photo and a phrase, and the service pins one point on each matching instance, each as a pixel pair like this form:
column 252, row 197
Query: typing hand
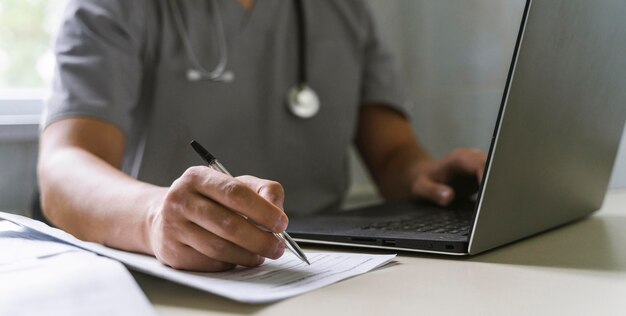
column 197, row 225
column 455, row 175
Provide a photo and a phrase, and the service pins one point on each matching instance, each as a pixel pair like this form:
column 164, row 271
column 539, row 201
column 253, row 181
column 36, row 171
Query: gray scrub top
column 123, row 62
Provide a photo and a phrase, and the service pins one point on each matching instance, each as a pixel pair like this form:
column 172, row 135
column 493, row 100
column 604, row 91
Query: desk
column 579, row 269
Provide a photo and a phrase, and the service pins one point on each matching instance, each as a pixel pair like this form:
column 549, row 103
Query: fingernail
column 279, row 251
column 281, row 225
column 259, row 260
column 444, row 195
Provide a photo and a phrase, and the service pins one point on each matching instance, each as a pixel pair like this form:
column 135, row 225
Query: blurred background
column 453, row 55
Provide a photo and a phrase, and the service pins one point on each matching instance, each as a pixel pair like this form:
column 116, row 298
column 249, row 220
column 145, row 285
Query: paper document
column 19, row 244
column 274, row 280
column 43, row 277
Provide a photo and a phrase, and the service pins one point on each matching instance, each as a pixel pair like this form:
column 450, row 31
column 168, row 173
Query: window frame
column 20, row 114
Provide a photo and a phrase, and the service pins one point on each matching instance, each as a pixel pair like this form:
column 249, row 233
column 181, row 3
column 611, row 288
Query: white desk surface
column 579, row 269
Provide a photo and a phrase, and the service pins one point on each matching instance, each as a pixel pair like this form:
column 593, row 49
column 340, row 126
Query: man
column 121, row 99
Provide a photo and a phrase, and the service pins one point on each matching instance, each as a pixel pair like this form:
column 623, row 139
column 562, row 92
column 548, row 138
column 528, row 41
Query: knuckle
column 198, row 209
column 470, row 152
column 191, row 175
column 233, row 190
column 229, row 224
column 460, row 152
column 219, row 247
column 233, row 187
column 172, row 208
column 172, row 197
column 274, row 188
column 247, row 178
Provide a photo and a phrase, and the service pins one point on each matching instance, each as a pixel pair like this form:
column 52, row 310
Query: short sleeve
column 381, row 81
column 98, row 63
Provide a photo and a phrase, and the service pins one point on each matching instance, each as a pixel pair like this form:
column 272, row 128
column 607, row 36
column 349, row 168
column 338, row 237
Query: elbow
column 48, row 198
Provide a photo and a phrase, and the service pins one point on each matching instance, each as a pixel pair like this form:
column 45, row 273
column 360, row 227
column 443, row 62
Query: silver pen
column 212, row 163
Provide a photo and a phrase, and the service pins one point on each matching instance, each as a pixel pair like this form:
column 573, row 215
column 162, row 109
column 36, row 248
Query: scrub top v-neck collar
column 236, row 17
column 248, row 13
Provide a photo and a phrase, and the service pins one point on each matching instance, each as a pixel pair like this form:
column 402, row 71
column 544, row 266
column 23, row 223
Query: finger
column 183, row 257
column 231, row 226
column 269, row 190
column 439, row 193
column 466, row 161
column 480, row 173
column 237, row 196
column 218, row 248
column 481, row 158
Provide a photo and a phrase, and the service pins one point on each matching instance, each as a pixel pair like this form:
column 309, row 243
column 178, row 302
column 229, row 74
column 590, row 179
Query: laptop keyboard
column 457, row 223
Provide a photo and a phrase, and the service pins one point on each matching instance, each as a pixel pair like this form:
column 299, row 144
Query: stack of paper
column 42, row 277
column 274, row 280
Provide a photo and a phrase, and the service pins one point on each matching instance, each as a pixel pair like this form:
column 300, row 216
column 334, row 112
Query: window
column 26, row 62
column 26, row 28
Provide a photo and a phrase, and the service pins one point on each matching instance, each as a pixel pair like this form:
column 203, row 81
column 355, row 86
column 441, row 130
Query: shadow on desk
column 596, row 243
column 166, row 293
column 181, row 297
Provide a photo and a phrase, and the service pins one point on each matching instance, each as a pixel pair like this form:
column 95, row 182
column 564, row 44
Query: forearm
column 95, row 201
column 395, row 176
column 402, row 168
column 390, row 150
column 194, row 224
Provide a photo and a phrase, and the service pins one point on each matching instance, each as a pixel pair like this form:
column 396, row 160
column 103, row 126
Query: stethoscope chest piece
column 302, row 101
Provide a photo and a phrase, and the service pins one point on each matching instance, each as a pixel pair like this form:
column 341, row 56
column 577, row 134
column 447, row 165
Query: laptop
column 554, row 145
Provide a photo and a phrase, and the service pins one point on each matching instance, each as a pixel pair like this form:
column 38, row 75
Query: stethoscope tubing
column 220, row 68
column 302, row 101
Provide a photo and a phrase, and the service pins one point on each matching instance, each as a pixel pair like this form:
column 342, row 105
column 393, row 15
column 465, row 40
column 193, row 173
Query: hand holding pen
column 284, row 238
column 196, row 223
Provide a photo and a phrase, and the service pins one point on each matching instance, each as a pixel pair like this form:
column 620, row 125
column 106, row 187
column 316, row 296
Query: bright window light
column 26, row 31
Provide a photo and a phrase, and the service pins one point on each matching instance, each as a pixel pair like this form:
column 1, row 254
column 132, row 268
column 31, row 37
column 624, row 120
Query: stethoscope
column 302, row 101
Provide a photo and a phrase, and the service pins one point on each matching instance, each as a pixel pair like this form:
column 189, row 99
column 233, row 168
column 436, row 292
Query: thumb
column 426, row 188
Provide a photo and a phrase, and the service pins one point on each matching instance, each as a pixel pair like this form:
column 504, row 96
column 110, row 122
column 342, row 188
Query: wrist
column 154, row 203
column 402, row 173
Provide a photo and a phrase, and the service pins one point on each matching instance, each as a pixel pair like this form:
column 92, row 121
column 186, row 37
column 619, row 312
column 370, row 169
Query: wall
column 17, row 174
column 454, row 56
column 19, row 116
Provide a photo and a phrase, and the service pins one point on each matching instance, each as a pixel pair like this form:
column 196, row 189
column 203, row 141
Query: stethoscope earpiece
column 194, row 75
column 227, row 76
